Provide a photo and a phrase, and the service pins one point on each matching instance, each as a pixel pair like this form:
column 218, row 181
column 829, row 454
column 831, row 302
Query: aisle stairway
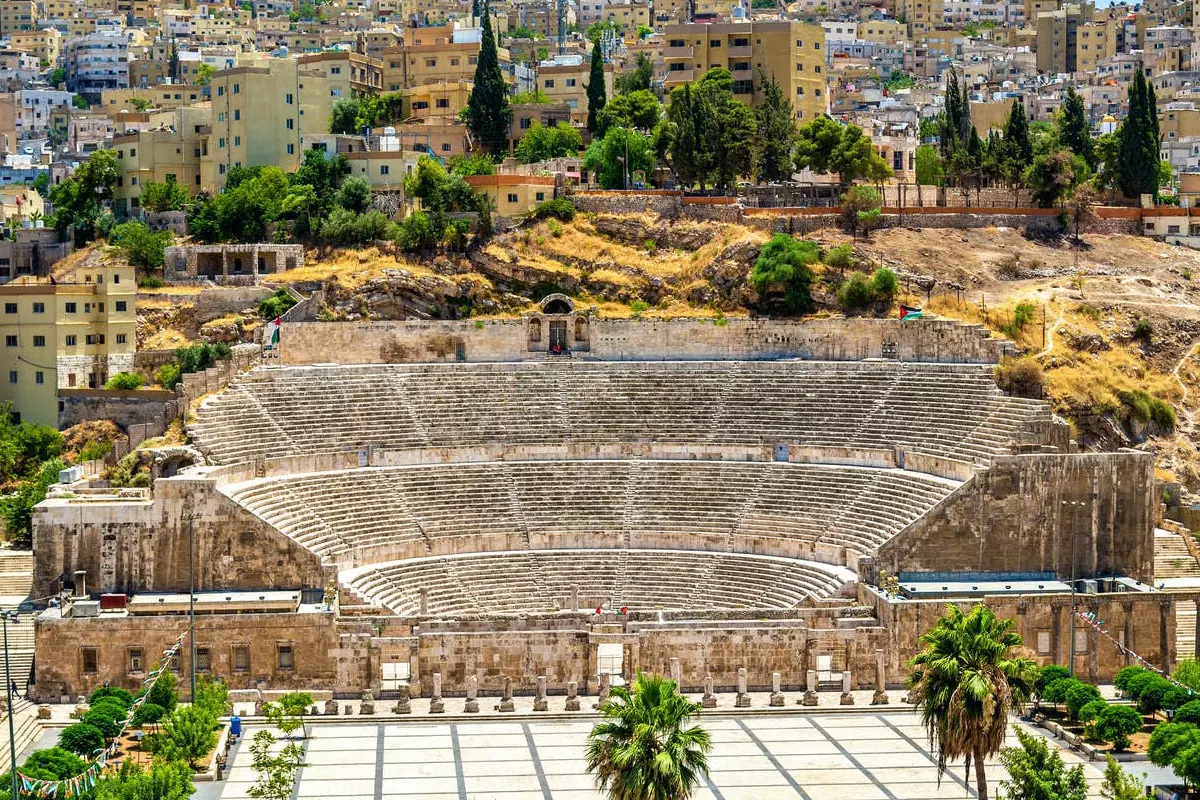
column 16, row 580
column 1175, row 563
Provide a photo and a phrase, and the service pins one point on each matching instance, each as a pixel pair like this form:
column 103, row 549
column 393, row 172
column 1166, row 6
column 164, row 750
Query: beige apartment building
column 46, row 43
column 1095, row 41
column 792, row 52
column 921, row 16
column 65, row 335
column 1057, row 39
column 434, row 55
column 564, row 80
column 17, row 15
column 345, row 73
column 174, row 151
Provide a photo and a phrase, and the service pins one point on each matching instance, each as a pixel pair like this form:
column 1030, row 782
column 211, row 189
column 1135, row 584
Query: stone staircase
column 1172, row 558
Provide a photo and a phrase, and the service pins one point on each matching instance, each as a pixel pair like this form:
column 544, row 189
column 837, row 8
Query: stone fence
column 144, row 409
column 193, row 385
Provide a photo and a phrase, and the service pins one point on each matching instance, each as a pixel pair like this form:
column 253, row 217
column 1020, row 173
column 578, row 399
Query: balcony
column 742, row 74
column 677, row 53
column 679, row 77
column 743, row 51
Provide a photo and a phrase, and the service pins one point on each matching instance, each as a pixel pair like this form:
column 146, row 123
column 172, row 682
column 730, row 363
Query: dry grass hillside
column 1106, row 319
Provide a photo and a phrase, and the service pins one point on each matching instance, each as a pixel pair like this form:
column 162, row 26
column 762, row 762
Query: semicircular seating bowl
column 948, row 410
column 543, row 581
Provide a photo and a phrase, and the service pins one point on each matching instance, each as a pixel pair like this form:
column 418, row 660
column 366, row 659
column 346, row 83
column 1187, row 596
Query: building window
column 287, row 98
column 290, row 124
column 90, row 658
column 10, row 341
column 136, row 661
column 203, row 660
column 39, row 341
column 12, row 376
column 39, row 377
column 237, row 88
column 549, row 83
column 291, row 149
column 285, row 656
column 384, row 169
column 241, row 658
column 39, row 308
column 10, row 308
column 237, row 114
column 525, row 123
column 121, row 305
column 541, row 196
column 121, row 337
column 570, row 81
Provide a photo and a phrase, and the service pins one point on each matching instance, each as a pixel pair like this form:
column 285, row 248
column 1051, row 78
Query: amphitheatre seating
column 375, row 514
column 542, row 580
column 948, row 410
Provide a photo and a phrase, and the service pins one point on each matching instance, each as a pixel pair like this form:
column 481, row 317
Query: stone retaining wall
column 126, row 409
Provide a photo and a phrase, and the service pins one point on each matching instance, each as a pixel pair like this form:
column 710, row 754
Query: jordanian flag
column 271, row 335
column 906, row 312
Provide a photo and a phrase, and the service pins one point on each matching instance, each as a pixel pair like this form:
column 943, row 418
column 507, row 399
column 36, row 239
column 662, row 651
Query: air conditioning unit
column 85, row 608
column 70, row 474
column 1088, row 587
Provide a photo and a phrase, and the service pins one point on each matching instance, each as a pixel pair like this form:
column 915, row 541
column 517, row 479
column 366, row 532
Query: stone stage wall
column 415, row 341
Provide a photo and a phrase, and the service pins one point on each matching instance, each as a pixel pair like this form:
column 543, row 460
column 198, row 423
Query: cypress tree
column 685, row 145
column 1016, row 135
column 776, row 122
column 596, row 94
column 1137, row 171
column 488, row 112
column 1074, row 131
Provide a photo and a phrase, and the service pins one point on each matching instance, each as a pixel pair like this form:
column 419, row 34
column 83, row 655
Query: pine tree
column 596, row 94
column 488, row 112
column 776, row 131
column 685, row 145
column 1137, row 171
column 1074, row 131
column 173, row 62
column 1016, row 135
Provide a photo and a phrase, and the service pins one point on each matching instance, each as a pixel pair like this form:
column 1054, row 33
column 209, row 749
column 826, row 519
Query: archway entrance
column 558, row 335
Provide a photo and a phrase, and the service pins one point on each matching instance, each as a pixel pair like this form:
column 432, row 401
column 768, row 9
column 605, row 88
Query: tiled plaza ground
column 872, row 756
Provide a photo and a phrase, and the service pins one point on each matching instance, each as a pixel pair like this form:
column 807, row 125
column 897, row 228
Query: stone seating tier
column 542, row 581
column 953, row 411
column 374, row 514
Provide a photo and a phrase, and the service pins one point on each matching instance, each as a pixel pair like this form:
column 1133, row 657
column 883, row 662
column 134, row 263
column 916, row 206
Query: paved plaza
column 827, row 756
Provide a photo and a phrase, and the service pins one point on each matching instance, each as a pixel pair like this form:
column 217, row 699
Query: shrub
column 148, row 713
column 115, row 692
column 1023, row 314
column 150, row 282
column 355, row 195
column 883, row 282
column 1143, row 329
column 1116, row 724
column 1152, row 693
column 81, row 738
column 1188, row 712
column 1187, row 672
column 107, row 717
column 1089, row 713
column 345, row 227
column 1048, row 675
column 1020, row 377
column 559, row 208
column 276, row 305
column 199, row 357
column 556, row 228
column 126, row 381
column 783, row 266
column 168, row 375
column 212, row 696
column 1056, row 692
column 637, row 307
column 1079, row 696
column 162, row 693
column 417, row 232
column 188, row 734
column 141, row 247
column 839, row 257
column 1125, row 676
column 1176, row 696
column 1145, row 407
column 856, row 292
column 95, row 449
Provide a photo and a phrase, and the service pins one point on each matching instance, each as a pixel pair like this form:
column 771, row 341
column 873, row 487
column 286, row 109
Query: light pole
column 190, row 518
column 1074, row 538
column 10, row 616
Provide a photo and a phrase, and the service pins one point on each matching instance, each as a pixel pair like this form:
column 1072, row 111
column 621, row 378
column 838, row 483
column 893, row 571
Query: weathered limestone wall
column 131, row 545
column 314, row 639
column 1144, row 622
column 1024, row 512
column 412, row 341
column 124, row 408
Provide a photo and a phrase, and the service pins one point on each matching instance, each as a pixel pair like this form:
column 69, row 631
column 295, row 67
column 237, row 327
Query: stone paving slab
column 882, row 755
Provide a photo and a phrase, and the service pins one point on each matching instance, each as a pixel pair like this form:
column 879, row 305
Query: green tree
column 344, row 116
column 642, row 749
column 597, row 95
column 122, row 696
column 79, row 200
column 162, row 692
column 276, row 771
column 607, row 157
column 1119, row 784
column 1125, row 675
column 124, row 381
column 472, row 164
column 683, row 137
column 1176, row 745
column 1073, row 129
column 142, row 247
column 1036, row 772
column 188, row 735
column 1056, row 691
column 1048, row 675
column 1116, row 724
column 929, row 165
column 640, row 110
column 967, row 681
column 82, row 738
column 827, row 146
column 488, row 112
column 1050, row 178
column 204, row 74
column 162, row 780
column 17, row 508
column 1187, row 672
column 212, row 696
column 542, row 143
column 638, row 79
column 861, row 209
column 1137, row 165
column 729, row 128
column 784, row 267
column 775, row 122
column 1079, row 696
column 532, row 97
column 355, row 194
column 287, row 714
column 173, row 62
column 166, row 196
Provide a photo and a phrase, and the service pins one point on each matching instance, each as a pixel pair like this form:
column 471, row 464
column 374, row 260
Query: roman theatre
column 578, row 498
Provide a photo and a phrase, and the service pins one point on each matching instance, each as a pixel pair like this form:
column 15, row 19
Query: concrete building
column 45, row 44
column 65, row 335
column 1094, row 42
column 178, row 150
column 564, row 79
column 921, row 16
column 346, row 74
column 96, row 62
column 17, row 15
column 434, row 55
column 1057, row 39
column 791, row 52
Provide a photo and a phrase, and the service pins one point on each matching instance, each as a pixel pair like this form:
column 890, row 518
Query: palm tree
column 641, row 750
column 967, row 680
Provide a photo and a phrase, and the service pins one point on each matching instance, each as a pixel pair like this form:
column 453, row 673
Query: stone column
column 506, row 702
column 404, row 704
column 880, row 697
column 1165, row 607
column 677, row 673
column 1127, row 610
column 539, row 696
column 572, row 696
column 605, row 685
column 810, row 695
column 743, row 697
column 368, row 704
column 709, row 700
column 575, row 598
column 776, row 695
column 847, row 697
column 424, row 592
column 472, row 704
column 436, row 704
column 1196, row 650
column 331, row 707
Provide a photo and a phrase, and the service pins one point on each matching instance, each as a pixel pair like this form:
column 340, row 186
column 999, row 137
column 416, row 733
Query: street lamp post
column 6, row 617
column 190, row 518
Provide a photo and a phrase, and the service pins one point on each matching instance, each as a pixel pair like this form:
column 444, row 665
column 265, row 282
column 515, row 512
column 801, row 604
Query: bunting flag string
column 1089, row 619
column 85, row 781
